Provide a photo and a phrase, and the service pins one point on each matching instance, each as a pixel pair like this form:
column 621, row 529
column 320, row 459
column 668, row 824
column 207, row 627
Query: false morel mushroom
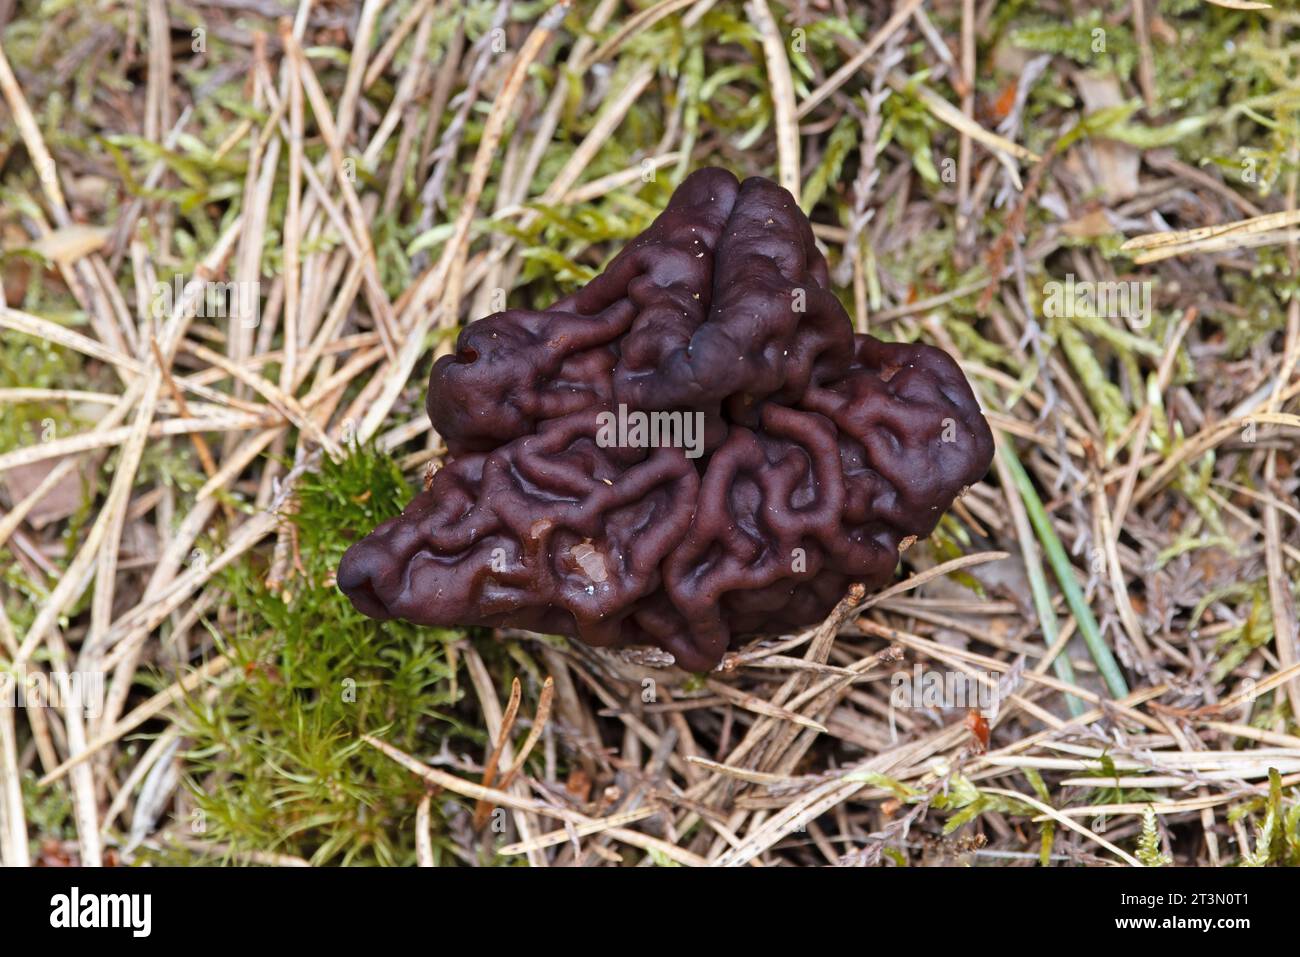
column 692, row 448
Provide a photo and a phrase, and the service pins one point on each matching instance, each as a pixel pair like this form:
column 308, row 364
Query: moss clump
column 276, row 763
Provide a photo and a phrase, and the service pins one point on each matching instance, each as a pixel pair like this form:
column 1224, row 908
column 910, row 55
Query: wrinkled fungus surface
column 693, row 447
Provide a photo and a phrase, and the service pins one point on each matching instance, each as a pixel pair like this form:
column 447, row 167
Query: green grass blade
column 1061, row 566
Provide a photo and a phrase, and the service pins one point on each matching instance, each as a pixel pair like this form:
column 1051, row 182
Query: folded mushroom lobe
column 693, row 447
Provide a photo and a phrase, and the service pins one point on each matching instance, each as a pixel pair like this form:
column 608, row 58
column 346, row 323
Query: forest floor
column 234, row 235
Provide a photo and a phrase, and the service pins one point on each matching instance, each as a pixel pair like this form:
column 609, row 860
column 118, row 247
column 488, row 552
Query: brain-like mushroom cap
column 693, row 447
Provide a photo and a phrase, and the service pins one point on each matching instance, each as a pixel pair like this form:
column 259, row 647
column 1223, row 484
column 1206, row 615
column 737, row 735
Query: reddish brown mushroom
column 693, row 447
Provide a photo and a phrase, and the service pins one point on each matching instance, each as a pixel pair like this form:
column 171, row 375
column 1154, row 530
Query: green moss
column 1148, row 851
column 1091, row 40
column 1277, row 837
column 276, row 763
column 30, row 363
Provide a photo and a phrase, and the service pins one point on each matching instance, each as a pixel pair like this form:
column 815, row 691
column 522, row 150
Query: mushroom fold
column 692, row 448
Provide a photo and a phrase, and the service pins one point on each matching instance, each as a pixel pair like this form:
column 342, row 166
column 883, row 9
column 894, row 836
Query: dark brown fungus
column 693, row 447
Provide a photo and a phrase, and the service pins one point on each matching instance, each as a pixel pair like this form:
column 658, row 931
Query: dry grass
column 1125, row 579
